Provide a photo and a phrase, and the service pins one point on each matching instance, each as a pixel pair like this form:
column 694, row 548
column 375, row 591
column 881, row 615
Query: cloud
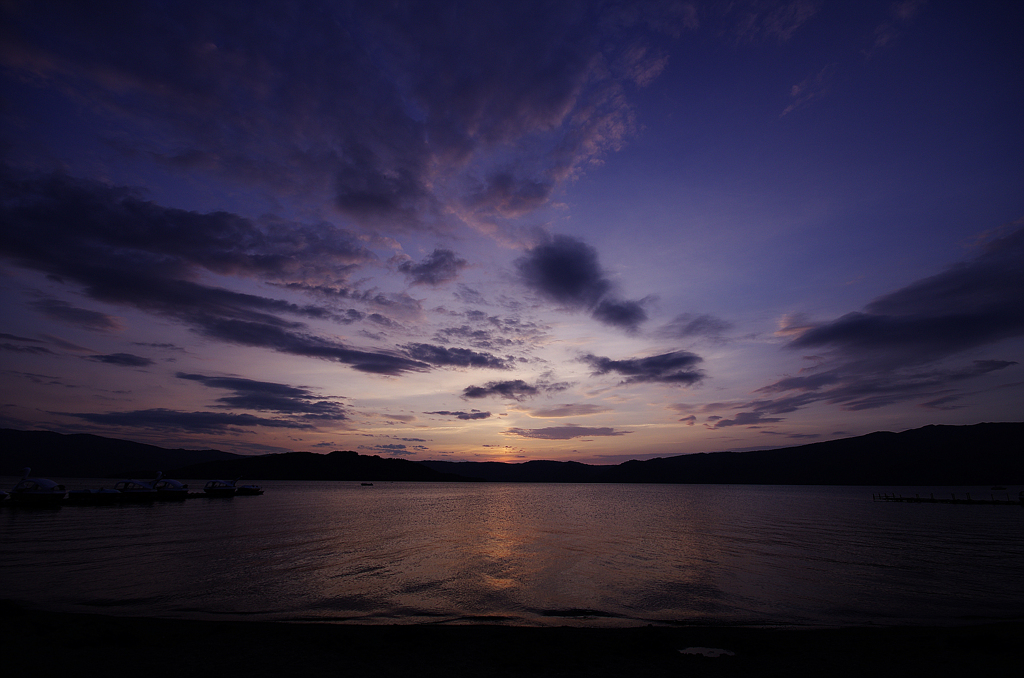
column 475, row 414
column 516, row 389
column 130, row 252
column 746, row 419
column 65, row 312
column 171, row 420
column 442, row 356
column 17, row 348
column 900, row 13
column 688, row 325
column 677, row 367
column 967, row 306
column 757, row 20
column 568, row 410
column 124, row 359
column 904, row 345
column 567, row 432
column 394, row 448
column 627, row 315
column 566, row 271
column 268, row 396
column 402, row 115
column 440, row 266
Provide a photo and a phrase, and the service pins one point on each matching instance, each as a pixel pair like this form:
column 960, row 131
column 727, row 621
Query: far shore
column 68, row 643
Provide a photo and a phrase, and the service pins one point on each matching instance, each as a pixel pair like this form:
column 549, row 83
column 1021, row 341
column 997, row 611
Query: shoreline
column 72, row 641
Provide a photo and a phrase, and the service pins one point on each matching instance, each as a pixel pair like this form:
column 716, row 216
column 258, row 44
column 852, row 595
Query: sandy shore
column 59, row 644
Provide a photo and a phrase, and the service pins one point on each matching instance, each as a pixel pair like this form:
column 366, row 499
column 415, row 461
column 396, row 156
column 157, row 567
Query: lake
column 525, row 554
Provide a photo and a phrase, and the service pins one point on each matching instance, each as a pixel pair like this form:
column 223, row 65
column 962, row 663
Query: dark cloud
column 746, row 419
column 267, row 396
column 900, row 346
column 969, row 305
column 14, row 348
column 392, row 109
column 395, row 448
column 127, row 251
column 628, row 315
column 172, row 420
column 567, row 432
column 440, row 266
column 96, row 224
column 17, row 348
column 677, row 367
column 441, row 356
column 566, row 271
column 854, row 390
column 475, row 414
column 124, row 359
column 65, row 312
column 516, row 389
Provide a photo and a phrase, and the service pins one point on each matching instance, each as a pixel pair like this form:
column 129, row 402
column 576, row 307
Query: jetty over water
column 953, row 499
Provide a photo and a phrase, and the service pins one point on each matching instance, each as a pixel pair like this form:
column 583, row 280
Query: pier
column 953, row 499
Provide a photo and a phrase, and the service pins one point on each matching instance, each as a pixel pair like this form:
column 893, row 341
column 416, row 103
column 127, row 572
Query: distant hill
column 82, row 455
column 311, row 466
column 981, row 454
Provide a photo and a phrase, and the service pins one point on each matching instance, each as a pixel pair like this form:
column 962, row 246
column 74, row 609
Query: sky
column 506, row 231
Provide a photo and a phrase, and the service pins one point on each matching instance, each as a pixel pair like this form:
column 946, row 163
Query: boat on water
column 220, row 488
column 170, row 490
column 137, row 491
column 37, row 491
column 248, row 490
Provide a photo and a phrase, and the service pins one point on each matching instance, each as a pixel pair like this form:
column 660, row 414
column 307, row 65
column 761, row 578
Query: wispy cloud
column 567, row 432
column 439, row 267
column 568, row 410
column 900, row 346
column 264, row 396
column 123, row 359
column 466, row 416
column 72, row 315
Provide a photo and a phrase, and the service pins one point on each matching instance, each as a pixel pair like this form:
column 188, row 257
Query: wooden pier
column 953, row 499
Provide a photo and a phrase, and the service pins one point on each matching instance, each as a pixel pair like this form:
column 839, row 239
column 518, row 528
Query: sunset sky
column 510, row 231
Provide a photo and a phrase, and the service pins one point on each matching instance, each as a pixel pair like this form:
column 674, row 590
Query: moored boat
column 137, row 491
column 37, row 492
column 248, row 490
column 220, row 488
column 170, row 490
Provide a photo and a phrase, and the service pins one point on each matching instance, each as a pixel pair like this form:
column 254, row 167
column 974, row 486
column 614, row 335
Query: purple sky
column 480, row 230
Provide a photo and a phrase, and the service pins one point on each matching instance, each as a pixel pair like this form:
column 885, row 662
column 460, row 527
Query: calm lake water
column 592, row 555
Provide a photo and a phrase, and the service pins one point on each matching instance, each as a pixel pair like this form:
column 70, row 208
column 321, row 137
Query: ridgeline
column 981, row 454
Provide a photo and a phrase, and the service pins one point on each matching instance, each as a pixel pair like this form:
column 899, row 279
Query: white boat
column 137, row 491
column 37, row 491
column 248, row 490
column 220, row 488
column 170, row 490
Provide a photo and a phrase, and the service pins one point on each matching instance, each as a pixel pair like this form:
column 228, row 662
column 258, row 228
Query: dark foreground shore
column 38, row 643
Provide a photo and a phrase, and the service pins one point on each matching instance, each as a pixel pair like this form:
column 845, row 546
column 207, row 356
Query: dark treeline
column 981, row 454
